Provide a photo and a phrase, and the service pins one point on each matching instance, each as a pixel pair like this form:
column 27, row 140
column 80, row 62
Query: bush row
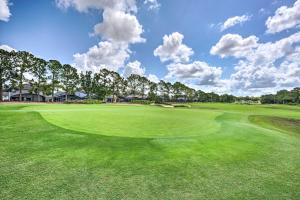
column 143, row 102
column 84, row 102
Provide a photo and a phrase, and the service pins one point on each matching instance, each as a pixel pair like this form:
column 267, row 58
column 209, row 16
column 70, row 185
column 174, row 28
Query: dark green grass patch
column 284, row 124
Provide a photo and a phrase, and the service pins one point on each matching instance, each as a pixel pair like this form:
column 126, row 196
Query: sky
column 235, row 46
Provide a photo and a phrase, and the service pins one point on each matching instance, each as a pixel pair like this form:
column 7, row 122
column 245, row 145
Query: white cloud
column 4, row 10
column 261, row 66
column 249, row 76
column 199, row 73
column 118, row 30
column 7, row 48
column 234, row 21
column 173, row 49
column 104, row 55
column 153, row 4
column 118, row 26
column 284, row 18
column 234, row 45
column 85, row 5
column 153, row 78
column 133, row 68
column 289, row 74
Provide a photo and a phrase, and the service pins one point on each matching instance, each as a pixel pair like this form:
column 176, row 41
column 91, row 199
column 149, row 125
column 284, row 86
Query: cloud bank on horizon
column 258, row 67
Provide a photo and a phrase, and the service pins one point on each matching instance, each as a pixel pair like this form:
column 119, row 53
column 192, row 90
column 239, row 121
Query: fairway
column 208, row 151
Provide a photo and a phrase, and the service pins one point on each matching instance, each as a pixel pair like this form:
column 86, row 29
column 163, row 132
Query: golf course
column 207, row 151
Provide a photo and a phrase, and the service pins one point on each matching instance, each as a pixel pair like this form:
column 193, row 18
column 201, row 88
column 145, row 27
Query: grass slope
column 210, row 151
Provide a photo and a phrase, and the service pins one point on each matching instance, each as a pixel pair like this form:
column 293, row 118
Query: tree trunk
column 52, row 100
column 20, row 91
column 1, row 90
column 38, row 91
column 66, row 98
column 52, row 90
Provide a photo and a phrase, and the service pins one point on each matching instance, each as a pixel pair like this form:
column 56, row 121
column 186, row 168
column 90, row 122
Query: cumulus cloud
column 7, row 48
column 234, row 45
column 133, row 68
column 118, row 26
column 289, row 74
column 104, row 55
column 4, row 10
column 85, row 5
column 153, row 4
column 153, row 78
column 262, row 65
column 232, row 21
column 200, row 73
column 249, row 76
column 284, row 18
column 173, row 49
column 118, row 30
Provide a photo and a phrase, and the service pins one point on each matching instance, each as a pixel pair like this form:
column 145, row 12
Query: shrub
column 181, row 105
column 143, row 102
column 90, row 101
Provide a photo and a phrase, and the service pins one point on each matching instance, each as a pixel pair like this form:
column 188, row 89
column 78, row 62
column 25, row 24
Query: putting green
column 131, row 121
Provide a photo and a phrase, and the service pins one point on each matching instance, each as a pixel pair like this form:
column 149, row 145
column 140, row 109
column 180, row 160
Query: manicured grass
column 208, row 151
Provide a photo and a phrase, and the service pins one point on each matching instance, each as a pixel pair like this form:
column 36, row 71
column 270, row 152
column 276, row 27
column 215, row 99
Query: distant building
column 28, row 96
column 61, row 96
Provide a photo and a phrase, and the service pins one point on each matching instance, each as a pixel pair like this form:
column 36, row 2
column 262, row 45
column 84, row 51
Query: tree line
column 51, row 76
column 282, row 97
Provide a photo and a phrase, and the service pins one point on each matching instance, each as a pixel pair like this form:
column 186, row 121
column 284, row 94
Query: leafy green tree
column 296, row 95
column 144, row 85
column 24, row 62
column 268, row 99
column 133, row 84
column 202, row 96
column 55, row 69
column 116, row 82
column 39, row 72
column 101, row 83
column 284, row 97
column 69, row 79
column 86, row 83
column 179, row 91
column 6, row 69
column 165, row 89
column 153, row 92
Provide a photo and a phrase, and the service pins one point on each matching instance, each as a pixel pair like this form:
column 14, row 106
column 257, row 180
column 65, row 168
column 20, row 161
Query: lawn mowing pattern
column 240, row 160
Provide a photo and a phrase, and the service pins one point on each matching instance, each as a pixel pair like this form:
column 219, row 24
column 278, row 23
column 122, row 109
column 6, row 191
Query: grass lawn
column 208, row 151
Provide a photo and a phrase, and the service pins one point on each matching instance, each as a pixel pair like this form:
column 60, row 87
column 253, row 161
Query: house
column 61, row 96
column 6, row 96
column 27, row 95
column 134, row 97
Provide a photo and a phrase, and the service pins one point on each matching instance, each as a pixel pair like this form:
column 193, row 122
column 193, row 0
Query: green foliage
column 69, row 79
column 143, row 102
column 106, row 83
column 55, row 69
column 282, row 97
column 88, row 101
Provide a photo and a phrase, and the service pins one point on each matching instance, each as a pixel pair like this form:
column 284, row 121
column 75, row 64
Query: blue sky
column 62, row 28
